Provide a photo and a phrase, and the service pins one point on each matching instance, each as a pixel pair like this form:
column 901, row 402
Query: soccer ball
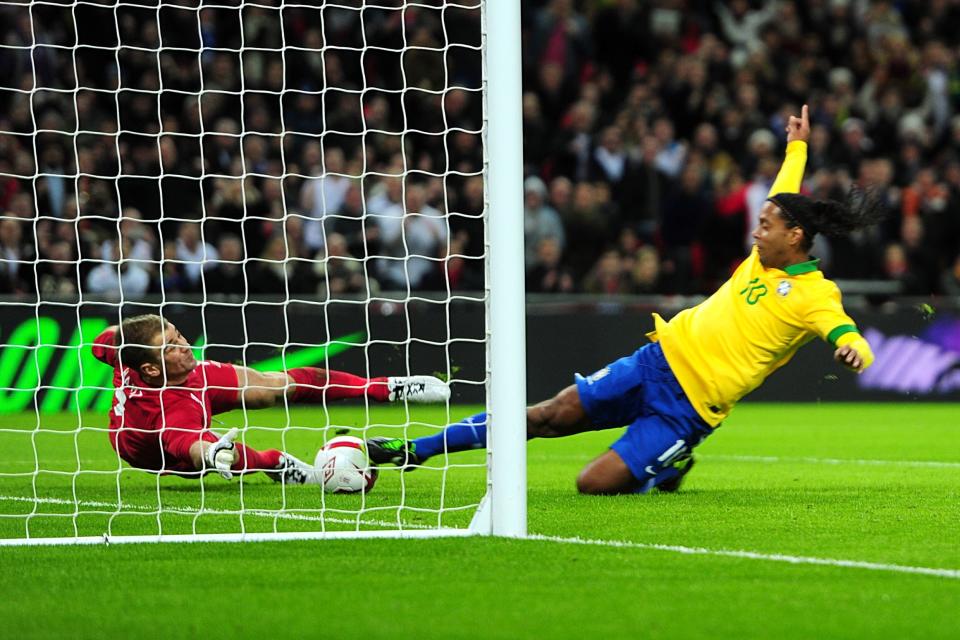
column 343, row 466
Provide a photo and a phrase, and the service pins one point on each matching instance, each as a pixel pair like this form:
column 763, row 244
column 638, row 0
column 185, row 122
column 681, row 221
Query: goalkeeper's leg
column 314, row 385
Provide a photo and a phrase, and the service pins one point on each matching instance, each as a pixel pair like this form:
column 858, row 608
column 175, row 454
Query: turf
column 873, row 483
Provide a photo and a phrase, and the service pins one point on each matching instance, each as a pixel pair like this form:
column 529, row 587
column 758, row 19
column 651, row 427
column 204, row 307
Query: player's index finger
column 803, row 114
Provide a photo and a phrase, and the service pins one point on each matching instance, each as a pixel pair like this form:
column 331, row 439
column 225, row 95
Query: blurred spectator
column 540, row 220
column 228, row 274
column 646, row 271
column 324, row 195
column 142, row 237
column 196, row 255
column 547, row 275
column 15, row 258
column 686, row 209
column 173, row 274
column 742, row 24
column 608, row 276
column 609, row 162
column 412, row 236
column 338, row 272
column 621, row 101
column 588, row 228
column 120, row 277
column 275, row 272
column 361, row 235
column 57, row 271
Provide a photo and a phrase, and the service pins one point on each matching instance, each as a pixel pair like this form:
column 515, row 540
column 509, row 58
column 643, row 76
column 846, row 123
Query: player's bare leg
column 606, row 475
column 561, row 415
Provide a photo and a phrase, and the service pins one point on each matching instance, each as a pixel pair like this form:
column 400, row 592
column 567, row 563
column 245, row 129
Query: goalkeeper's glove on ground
column 222, row 454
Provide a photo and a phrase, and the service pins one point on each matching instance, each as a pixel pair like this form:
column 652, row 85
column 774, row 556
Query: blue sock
column 462, row 436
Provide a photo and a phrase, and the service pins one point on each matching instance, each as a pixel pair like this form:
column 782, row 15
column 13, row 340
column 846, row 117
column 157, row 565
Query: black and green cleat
column 393, row 451
column 683, row 467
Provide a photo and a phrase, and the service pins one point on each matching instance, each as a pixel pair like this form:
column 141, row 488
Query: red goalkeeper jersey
column 154, row 427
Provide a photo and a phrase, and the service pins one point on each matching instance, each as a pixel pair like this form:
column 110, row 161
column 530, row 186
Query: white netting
column 291, row 185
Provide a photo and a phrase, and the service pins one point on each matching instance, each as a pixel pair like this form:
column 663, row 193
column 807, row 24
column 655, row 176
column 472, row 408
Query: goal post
column 507, row 317
column 151, row 151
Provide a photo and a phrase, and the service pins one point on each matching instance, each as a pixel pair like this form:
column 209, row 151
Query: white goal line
column 953, row 574
column 420, row 530
column 135, row 509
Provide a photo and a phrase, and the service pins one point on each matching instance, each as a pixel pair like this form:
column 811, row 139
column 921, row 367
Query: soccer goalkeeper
column 165, row 399
column 673, row 392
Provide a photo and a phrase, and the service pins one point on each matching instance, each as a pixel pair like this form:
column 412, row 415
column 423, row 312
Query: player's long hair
column 860, row 208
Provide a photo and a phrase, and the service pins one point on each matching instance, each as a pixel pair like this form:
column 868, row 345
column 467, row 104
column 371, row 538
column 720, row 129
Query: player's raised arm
column 791, row 173
column 104, row 346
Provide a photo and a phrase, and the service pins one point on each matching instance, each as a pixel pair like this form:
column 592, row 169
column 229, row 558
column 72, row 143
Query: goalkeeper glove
column 222, row 454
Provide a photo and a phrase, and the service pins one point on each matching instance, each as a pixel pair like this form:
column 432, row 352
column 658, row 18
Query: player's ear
column 150, row 370
column 795, row 236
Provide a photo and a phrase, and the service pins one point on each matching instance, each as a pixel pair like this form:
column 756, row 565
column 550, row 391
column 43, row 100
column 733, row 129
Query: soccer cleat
column 672, row 483
column 392, row 451
column 419, row 389
column 293, row 471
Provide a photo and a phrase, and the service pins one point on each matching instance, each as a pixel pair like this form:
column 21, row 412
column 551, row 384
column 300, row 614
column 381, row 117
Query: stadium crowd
column 279, row 157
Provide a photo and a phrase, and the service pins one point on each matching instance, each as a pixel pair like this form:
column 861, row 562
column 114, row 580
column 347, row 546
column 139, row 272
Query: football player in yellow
column 673, row 392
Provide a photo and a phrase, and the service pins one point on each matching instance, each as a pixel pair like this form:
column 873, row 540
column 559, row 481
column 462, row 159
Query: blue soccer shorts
column 641, row 391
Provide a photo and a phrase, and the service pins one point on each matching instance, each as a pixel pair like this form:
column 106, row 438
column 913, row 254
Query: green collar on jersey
column 803, row 267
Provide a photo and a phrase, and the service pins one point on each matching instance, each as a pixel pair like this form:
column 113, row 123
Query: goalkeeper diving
column 673, row 392
column 165, row 399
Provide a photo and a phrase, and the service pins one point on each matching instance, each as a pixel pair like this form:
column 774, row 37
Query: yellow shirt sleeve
column 791, row 173
column 825, row 316
column 822, row 312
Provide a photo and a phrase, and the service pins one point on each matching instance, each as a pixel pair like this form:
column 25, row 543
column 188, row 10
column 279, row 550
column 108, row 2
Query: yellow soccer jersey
column 724, row 348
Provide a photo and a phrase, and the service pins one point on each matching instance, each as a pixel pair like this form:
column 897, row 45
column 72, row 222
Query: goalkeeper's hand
column 222, row 454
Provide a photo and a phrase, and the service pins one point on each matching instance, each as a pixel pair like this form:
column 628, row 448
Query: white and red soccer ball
column 343, row 466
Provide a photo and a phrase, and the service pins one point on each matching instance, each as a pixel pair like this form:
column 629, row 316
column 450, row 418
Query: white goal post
column 106, row 142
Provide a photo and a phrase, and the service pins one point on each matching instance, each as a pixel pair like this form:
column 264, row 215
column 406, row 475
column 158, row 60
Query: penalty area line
column 953, row 574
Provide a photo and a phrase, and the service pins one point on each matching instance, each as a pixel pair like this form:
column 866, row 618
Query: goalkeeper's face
column 178, row 360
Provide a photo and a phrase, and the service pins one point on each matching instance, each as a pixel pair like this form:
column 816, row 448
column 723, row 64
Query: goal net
column 291, row 185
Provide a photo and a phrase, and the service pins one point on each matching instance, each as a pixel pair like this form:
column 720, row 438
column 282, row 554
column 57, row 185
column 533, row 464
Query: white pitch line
column 935, row 464
column 953, row 574
column 264, row 513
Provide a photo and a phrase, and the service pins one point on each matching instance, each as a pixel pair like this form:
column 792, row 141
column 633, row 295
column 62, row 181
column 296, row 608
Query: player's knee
column 592, row 484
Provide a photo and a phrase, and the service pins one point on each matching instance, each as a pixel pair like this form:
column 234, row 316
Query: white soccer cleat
column 293, row 471
column 418, row 389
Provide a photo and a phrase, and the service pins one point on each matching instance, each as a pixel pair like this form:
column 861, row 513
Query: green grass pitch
column 869, row 483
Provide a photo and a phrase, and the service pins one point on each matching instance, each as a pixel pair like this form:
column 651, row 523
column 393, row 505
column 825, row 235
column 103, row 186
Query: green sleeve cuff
column 834, row 335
